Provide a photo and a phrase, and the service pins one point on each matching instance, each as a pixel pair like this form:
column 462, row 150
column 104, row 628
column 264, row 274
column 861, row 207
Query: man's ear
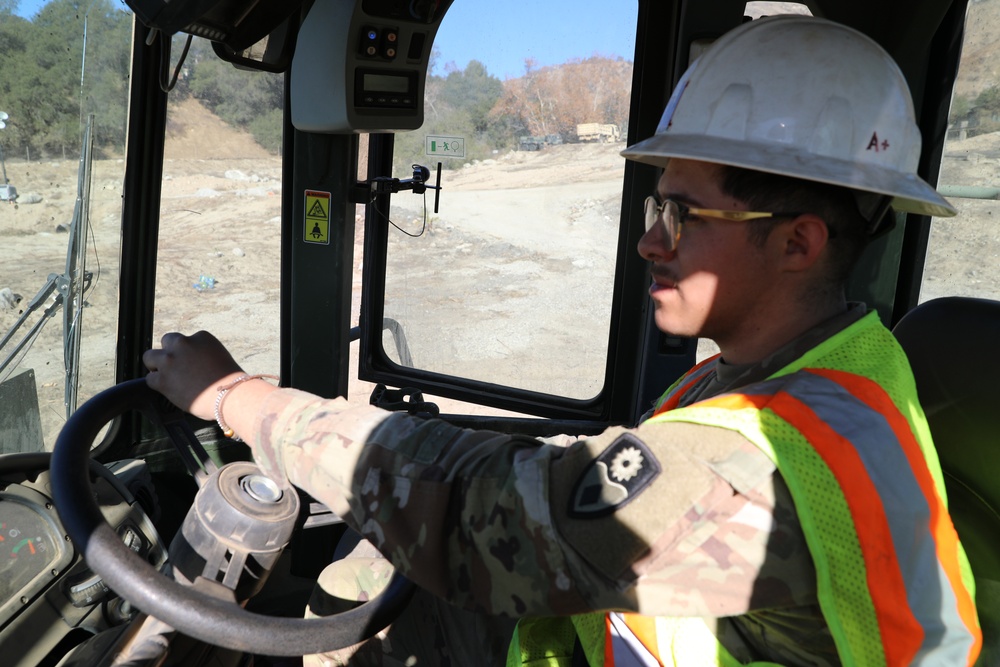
column 802, row 241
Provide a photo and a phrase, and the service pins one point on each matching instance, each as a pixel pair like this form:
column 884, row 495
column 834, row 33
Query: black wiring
column 97, row 258
column 423, row 227
column 166, row 86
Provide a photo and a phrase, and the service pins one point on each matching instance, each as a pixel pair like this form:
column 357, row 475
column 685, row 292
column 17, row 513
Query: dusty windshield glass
column 63, row 96
column 963, row 257
column 220, row 207
column 511, row 280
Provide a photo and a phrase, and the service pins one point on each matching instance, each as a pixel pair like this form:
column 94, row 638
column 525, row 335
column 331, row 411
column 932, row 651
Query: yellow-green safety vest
column 846, row 432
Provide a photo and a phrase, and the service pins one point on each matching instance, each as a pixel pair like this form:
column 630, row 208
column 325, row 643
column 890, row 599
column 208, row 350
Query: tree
column 242, row 98
column 457, row 104
column 960, row 107
column 989, row 99
column 41, row 66
column 105, row 73
column 12, row 47
column 986, row 109
column 473, row 91
column 553, row 100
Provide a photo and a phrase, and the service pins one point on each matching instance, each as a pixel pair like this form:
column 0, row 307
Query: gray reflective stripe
column 626, row 647
column 691, row 378
column 930, row 596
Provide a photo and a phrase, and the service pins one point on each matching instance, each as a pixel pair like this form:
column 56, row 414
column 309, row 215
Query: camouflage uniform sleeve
column 314, row 443
column 714, row 533
column 512, row 525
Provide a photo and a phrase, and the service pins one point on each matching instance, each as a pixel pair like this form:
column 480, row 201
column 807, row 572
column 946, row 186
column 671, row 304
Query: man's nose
column 653, row 245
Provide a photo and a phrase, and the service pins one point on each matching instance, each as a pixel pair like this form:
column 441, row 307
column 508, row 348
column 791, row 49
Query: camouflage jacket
column 507, row 524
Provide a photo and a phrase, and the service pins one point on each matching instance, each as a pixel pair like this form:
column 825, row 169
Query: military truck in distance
column 603, row 132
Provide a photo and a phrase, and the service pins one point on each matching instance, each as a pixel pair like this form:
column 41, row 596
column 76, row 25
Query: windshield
column 511, row 279
column 220, row 206
column 64, row 75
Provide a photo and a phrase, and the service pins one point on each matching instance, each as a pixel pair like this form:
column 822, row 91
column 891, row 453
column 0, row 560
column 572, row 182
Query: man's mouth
column 663, row 278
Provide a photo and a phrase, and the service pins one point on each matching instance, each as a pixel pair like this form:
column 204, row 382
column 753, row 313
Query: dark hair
column 837, row 206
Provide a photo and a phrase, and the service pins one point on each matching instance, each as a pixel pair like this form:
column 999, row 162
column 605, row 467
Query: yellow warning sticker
column 317, row 218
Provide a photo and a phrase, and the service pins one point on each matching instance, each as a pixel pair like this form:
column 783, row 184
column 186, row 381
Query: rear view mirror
column 259, row 38
column 273, row 53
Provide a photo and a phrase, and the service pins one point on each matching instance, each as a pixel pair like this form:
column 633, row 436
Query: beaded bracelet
column 225, row 389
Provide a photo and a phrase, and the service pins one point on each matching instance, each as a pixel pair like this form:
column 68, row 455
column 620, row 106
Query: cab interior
column 369, row 286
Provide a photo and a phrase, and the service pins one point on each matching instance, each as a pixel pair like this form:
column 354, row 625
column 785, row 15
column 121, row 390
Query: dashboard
column 50, row 600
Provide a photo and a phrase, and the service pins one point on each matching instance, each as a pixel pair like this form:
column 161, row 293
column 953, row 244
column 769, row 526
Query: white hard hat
column 803, row 97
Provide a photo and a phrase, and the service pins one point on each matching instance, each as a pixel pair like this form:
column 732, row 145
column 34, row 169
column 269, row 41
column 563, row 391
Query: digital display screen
column 386, row 83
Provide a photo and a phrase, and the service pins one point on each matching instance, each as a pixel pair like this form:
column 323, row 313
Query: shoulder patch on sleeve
column 616, row 477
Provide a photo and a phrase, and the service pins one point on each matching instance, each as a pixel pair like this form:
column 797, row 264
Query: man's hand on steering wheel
column 189, row 369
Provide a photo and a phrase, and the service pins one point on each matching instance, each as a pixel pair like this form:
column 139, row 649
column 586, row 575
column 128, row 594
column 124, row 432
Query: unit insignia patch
column 613, row 479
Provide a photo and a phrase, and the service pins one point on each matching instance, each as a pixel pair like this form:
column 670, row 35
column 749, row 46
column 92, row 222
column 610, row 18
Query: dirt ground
column 220, row 218
column 463, row 288
column 517, row 267
column 964, row 252
column 216, row 180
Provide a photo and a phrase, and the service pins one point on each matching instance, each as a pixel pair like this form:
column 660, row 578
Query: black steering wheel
column 186, row 609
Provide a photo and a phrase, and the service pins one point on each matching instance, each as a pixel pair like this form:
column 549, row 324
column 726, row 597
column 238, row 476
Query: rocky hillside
column 980, row 67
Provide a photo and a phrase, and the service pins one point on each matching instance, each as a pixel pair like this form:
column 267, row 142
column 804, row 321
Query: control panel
column 361, row 67
column 48, row 593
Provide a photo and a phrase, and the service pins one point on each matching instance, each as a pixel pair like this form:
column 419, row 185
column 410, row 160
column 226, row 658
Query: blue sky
column 501, row 41
column 27, row 8
column 546, row 32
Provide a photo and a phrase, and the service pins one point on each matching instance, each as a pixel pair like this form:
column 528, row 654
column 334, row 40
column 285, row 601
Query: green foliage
column 492, row 115
column 457, row 104
column 106, row 74
column 960, row 107
column 983, row 114
column 474, row 91
column 72, row 59
column 49, row 84
column 266, row 130
column 244, row 99
column 989, row 99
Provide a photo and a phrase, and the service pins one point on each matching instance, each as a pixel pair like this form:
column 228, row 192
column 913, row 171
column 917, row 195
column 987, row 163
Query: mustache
column 663, row 273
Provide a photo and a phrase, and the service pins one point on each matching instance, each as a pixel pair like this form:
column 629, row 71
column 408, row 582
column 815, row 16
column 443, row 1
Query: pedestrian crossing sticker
column 317, row 218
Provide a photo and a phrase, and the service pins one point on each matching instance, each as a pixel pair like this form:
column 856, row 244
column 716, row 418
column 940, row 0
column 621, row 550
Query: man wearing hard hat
column 783, row 504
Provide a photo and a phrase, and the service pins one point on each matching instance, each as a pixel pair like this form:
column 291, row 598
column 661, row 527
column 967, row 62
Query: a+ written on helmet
column 803, row 97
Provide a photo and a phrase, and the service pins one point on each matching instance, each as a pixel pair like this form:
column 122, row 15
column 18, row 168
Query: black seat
column 953, row 345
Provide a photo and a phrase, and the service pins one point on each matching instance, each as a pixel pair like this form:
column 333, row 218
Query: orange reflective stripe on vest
column 671, row 399
column 913, row 575
column 631, row 641
column 940, row 525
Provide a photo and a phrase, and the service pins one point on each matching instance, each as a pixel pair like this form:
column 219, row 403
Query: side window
column 511, row 281
column 64, row 77
column 962, row 256
column 220, row 210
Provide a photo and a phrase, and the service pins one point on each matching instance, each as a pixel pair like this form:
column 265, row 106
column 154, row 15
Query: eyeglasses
column 675, row 214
